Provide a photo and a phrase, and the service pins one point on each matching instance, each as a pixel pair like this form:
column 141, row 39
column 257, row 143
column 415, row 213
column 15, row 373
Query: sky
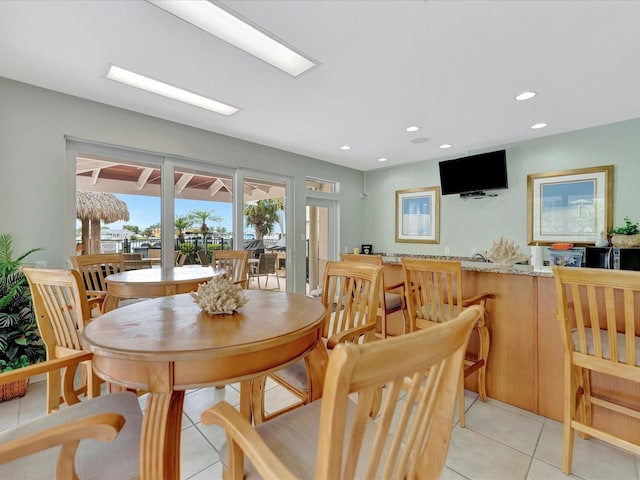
column 145, row 211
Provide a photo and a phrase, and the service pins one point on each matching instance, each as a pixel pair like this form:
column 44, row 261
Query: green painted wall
column 467, row 224
column 34, row 188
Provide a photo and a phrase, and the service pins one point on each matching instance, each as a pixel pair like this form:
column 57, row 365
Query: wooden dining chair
column 391, row 300
column 94, row 269
column 266, row 266
column 599, row 317
column 235, row 262
column 433, row 292
column 350, row 296
column 96, row 438
column 62, row 311
column 334, row 438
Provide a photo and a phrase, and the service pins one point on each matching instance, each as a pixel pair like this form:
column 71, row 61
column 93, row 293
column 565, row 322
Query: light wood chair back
column 433, row 292
column 599, row 316
column 336, row 439
column 94, row 269
column 266, row 266
column 391, row 298
column 350, row 297
column 235, row 262
column 62, row 311
column 112, row 423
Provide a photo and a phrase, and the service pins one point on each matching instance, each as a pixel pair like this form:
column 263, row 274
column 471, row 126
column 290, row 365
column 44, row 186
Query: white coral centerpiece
column 505, row 252
column 219, row 295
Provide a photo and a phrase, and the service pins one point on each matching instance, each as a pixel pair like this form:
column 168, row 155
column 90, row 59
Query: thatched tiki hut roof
column 94, row 208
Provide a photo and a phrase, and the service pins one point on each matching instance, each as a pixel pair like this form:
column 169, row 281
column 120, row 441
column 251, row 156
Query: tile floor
column 500, row 442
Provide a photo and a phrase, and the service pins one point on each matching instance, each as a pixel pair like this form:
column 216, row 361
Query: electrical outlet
column 447, row 250
column 474, row 250
column 40, row 264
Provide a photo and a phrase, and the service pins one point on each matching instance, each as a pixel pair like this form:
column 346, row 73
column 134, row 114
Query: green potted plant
column 627, row 236
column 20, row 342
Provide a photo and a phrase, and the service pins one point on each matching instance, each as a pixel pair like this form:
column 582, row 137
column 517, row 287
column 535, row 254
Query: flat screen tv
column 472, row 175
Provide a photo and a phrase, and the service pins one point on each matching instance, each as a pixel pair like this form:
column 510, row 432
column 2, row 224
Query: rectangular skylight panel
column 217, row 21
column 160, row 88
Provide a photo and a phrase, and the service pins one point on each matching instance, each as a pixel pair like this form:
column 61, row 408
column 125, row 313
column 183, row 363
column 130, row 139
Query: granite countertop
column 478, row 266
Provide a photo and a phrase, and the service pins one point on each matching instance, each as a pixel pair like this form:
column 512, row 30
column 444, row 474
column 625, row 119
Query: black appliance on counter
column 613, row 258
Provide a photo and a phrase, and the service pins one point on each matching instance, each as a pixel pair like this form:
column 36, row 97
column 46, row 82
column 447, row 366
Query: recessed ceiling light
column 525, row 95
column 420, row 140
column 382, row 159
column 160, row 88
column 412, row 128
column 345, row 147
column 445, row 145
column 216, row 20
column 536, row 126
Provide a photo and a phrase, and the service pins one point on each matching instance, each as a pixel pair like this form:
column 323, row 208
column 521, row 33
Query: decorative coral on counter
column 505, row 252
column 219, row 295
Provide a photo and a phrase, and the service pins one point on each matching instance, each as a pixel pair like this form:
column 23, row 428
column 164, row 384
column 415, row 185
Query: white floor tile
column 507, row 427
column 212, row 471
column 448, row 474
column 276, row 399
column 197, row 401
column 196, row 453
column 592, row 459
column 543, row 471
column 478, row 457
column 501, row 442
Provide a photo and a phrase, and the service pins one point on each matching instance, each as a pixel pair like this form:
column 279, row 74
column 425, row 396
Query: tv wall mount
column 477, row 194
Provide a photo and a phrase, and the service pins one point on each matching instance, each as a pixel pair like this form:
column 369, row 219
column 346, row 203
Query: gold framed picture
column 572, row 206
column 418, row 215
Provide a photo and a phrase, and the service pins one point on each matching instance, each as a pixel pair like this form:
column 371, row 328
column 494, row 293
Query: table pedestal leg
column 317, row 361
column 160, row 442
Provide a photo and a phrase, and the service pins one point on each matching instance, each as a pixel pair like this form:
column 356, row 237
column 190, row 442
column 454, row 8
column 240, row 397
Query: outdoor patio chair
column 179, row 258
column 203, row 258
column 266, row 266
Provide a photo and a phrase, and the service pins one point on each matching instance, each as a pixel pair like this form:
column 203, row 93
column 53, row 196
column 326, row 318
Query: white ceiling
column 451, row 67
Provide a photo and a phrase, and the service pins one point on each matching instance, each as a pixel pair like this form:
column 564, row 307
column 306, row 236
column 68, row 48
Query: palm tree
column 153, row 230
column 221, row 231
column 182, row 223
column 202, row 216
column 263, row 215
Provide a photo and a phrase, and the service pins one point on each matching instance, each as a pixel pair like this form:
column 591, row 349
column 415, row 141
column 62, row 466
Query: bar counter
column 525, row 365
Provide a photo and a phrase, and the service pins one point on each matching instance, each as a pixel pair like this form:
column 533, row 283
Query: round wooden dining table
column 155, row 282
column 168, row 345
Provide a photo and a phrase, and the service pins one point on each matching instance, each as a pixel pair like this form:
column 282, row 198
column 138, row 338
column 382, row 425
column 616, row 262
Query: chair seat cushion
column 393, row 301
column 118, row 459
column 296, row 451
column 604, row 340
